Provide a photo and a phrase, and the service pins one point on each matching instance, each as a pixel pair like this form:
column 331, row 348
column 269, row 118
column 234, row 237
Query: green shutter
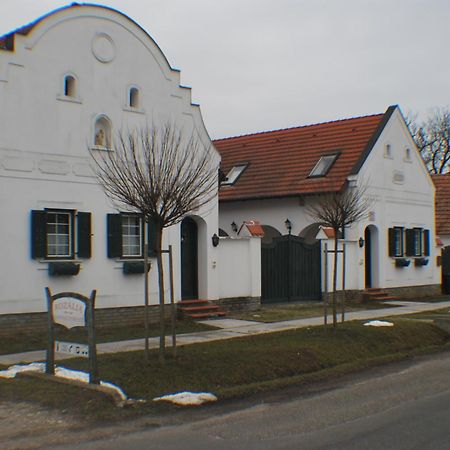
column 114, row 230
column 391, row 234
column 151, row 236
column 410, row 242
column 84, row 234
column 426, row 242
column 38, row 234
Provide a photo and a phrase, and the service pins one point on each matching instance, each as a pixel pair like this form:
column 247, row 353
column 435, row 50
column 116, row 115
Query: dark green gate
column 290, row 270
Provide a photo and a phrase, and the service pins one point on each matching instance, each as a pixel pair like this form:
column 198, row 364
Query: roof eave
column 373, row 140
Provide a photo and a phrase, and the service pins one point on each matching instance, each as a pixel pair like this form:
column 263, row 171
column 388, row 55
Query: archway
column 189, row 259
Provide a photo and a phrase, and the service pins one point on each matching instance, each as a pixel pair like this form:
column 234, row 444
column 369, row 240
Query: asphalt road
column 403, row 406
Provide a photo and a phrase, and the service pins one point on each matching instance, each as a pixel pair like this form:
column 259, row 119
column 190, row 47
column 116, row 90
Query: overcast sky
column 257, row 65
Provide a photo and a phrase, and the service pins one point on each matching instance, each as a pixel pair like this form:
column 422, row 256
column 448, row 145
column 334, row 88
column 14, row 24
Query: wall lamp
column 215, row 240
column 288, row 224
column 361, row 242
column 234, row 226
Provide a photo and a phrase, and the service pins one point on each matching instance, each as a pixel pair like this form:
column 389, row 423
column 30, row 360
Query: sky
column 258, row 65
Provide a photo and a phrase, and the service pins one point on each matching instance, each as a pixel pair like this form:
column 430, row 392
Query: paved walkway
column 232, row 328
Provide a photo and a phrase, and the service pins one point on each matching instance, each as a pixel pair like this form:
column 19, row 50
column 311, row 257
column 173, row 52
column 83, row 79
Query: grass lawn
column 22, row 342
column 443, row 313
column 301, row 310
column 233, row 368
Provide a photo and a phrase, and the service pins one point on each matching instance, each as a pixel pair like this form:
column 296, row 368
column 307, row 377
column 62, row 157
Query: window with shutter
column 396, row 242
column 53, row 234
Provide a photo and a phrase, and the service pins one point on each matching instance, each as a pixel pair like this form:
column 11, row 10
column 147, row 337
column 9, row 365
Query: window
column 126, row 236
column 410, row 242
column 131, row 236
column 59, row 234
column 323, row 165
column 234, row 174
column 133, row 98
column 396, row 242
column 407, row 154
column 102, row 135
column 69, row 86
column 417, row 242
column 55, row 232
column 388, row 151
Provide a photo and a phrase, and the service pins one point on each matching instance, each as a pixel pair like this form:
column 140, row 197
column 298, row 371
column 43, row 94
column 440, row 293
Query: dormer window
column 133, row 98
column 234, row 174
column 69, row 86
column 323, row 166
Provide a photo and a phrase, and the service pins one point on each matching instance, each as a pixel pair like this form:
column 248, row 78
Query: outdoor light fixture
column 215, row 240
column 361, row 242
column 234, row 226
column 288, row 224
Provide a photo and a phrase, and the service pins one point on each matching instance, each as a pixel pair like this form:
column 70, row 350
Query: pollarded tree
column 339, row 210
column 163, row 174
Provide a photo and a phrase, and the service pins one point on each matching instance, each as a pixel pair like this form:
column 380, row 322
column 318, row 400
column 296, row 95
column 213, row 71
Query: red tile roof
column 442, row 183
column 253, row 227
column 280, row 161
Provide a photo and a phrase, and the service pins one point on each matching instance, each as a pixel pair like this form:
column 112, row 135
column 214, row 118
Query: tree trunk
column 162, row 323
column 335, row 272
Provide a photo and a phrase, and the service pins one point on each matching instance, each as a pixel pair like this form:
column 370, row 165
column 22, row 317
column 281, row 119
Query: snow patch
column 378, row 323
column 187, row 398
column 62, row 372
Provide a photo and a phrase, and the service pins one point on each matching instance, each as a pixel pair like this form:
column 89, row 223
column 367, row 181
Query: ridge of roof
column 257, row 133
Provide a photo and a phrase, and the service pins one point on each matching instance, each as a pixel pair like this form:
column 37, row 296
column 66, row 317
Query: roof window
column 323, row 165
column 234, row 174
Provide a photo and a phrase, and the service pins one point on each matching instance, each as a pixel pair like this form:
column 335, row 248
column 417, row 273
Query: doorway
column 189, row 259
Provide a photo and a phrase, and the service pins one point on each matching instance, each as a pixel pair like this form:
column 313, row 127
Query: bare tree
column 432, row 137
column 163, row 174
column 339, row 210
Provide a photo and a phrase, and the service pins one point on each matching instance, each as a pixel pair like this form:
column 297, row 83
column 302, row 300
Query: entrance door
column 368, row 256
column 189, row 259
column 445, row 261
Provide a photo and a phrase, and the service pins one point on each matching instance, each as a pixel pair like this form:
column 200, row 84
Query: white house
column 273, row 176
column 69, row 82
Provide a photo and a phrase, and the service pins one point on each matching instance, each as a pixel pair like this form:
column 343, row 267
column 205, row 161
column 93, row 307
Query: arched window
column 69, row 86
column 133, row 98
column 102, row 135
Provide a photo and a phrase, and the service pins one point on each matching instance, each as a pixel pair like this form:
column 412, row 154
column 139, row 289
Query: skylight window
column 323, row 165
column 234, row 174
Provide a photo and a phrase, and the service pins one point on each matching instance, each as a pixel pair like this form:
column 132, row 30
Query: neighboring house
column 271, row 177
column 70, row 81
column 442, row 183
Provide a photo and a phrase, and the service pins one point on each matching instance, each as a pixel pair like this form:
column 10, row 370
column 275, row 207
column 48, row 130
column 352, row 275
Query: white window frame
column 70, row 234
column 140, row 235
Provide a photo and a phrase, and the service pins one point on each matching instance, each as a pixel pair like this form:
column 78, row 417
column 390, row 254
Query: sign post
column 70, row 310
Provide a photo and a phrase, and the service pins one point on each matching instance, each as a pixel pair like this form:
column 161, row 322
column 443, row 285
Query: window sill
column 101, row 148
column 421, row 261
column 133, row 110
column 64, row 98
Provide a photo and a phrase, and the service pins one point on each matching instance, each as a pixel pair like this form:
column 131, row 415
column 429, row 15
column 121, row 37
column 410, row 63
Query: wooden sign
column 69, row 312
column 72, row 310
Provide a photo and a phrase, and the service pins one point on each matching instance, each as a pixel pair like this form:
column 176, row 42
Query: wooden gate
column 445, row 262
column 290, row 270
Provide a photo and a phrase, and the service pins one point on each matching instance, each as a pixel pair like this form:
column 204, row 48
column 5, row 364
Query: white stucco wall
column 44, row 140
column 239, row 267
column 403, row 195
